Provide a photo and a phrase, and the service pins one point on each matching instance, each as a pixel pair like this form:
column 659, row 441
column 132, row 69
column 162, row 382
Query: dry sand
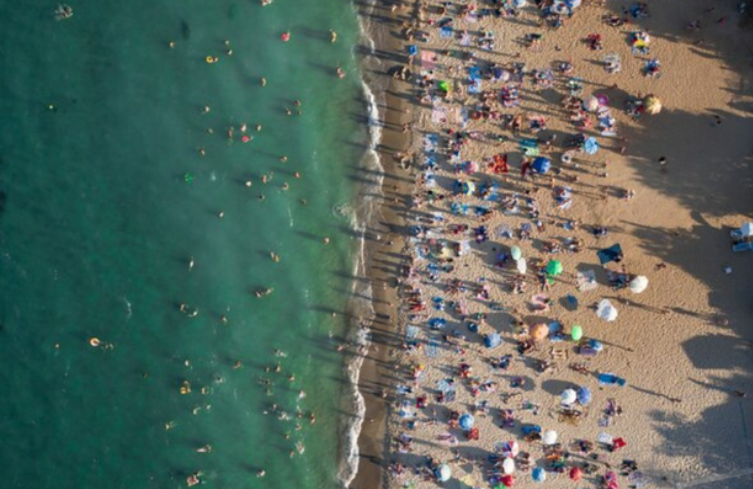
column 684, row 345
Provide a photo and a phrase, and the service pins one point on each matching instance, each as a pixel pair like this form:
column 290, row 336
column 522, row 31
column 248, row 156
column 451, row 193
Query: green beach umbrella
column 554, row 268
column 443, row 85
column 577, row 333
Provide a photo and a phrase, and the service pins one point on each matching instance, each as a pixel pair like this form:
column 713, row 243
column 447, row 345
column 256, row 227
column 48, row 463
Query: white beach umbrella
column 568, row 397
column 606, row 311
column 638, row 284
column 508, row 466
column 521, row 266
column 591, row 103
column 443, row 473
column 550, row 437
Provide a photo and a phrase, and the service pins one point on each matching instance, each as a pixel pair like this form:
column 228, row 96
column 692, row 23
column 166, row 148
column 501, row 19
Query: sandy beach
column 667, row 188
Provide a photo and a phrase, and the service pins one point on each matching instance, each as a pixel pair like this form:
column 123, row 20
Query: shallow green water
column 101, row 124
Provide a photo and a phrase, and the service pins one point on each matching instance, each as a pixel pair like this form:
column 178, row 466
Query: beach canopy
column 443, row 473
column 568, row 397
column 541, row 164
column 466, row 422
column 584, row 396
column 492, row 340
column 638, row 284
column 554, row 268
column 516, row 253
column 538, row 474
column 508, row 466
column 591, row 145
column 613, row 253
column 606, row 311
column 521, row 266
column 539, row 331
column 652, row 104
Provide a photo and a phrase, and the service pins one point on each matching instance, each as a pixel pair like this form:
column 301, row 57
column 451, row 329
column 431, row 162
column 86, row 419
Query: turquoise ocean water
column 105, row 201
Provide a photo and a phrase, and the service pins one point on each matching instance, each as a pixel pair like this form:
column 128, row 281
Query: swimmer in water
column 263, row 81
column 191, row 263
column 332, row 36
column 340, row 73
column 205, row 449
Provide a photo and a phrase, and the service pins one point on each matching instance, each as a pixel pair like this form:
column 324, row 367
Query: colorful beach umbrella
column 576, row 474
column 652, row 104
column 554, row 268
column 538, row 474
column 466, row 422
column 577, row 333
column 508, row 480
column 492, row 340
column 468, row 188
column 444, row 85
column 584, row 396
column 591, row 103
column 539, row 331
column 638, row 284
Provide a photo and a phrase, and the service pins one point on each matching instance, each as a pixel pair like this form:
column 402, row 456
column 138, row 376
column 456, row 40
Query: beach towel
column 427, row 60
column 432, row 349
column 474, row 78
column 445, row 32
column 586, row 280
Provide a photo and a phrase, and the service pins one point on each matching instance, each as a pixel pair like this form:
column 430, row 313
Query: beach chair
column 742, row 247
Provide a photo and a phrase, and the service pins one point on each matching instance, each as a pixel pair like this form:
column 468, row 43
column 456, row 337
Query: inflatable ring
column 210, row 59
column 94, row 341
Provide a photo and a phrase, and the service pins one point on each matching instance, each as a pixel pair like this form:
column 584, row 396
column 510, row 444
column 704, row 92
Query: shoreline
column 372, row 440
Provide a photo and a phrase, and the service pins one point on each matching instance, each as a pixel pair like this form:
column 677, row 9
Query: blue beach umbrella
column 466, row 422
column 492, row 340
column 437, row 323
column 413, row 50
column 467, row 188
column 584, row 396
column 591, row 146
column 541, row 164
column 538, row 474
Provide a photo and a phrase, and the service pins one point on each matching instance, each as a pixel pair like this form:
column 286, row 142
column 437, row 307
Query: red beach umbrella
column 576, row 474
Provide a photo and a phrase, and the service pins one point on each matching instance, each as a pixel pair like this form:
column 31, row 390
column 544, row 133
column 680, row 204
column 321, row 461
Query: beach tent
column 554, row 268
column 568, row 397
column 591, row 145
column 541, row 164
column 539, row 331
column 492, row 340
column 584, row 396
column 613, row 253
column 443, row 473
column 606, row 311
column 638, row 284
column 516, row 253
column 652, row 104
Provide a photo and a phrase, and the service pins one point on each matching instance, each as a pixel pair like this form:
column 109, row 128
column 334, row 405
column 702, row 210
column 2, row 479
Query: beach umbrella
column 519, row 3
column 508, row 480
column 443, row 473
column 539, row 331
column 521, row 266
column 652, row 104
column 468, row 188
column 516, row 253
column 591, row 146
column 638, row 284
column 591, row 103
column 510, row 449
column 573, row 3
column 508, row 466
column 444, row 85
column 554, row 268
column 466, row 422
column 606, row 311
column 541, row 164
column 584, row 396
column 538, row 474
column 550, row 437
column 492, row 340
column 568, row 397
column 577, row 333
column 747, row 229
column 576, row 474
